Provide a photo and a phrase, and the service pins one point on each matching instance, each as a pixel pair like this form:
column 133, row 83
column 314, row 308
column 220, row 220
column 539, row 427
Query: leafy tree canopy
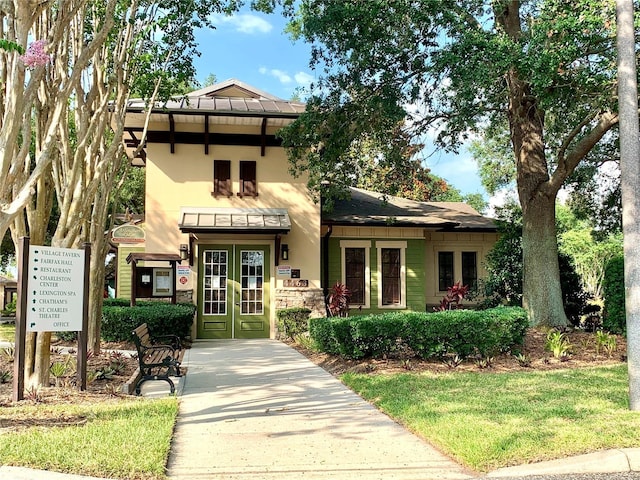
column 542, row 70
column 418, row 66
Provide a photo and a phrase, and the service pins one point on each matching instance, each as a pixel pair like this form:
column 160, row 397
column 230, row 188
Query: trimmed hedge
column 118, row 320
column 615, row 316
column 458, row 332
column 293, row 321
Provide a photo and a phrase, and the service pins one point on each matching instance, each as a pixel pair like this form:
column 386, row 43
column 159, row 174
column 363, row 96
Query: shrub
column 293, row 321
column 10, row 309
column 376, row 335
column 455, row 332
column 162, row 318
column 614, row 318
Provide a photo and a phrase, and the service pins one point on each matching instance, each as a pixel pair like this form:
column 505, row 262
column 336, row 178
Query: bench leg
column 155, row 377
column 174, row 369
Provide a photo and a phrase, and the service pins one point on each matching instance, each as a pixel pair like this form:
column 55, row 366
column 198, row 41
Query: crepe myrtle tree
column 62, row 108
column 543, row 68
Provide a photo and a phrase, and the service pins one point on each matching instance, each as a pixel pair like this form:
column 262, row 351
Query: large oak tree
column 546, row 68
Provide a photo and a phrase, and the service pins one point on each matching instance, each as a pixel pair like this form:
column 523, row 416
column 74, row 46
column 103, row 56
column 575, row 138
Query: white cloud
column 283, row 77
column 500, row 199
column 303, row 79
column 243, row 23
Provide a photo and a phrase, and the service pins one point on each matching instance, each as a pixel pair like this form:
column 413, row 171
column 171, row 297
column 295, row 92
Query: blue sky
column 252, row 47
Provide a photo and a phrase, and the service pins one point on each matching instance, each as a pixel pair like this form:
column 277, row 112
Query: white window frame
column 366, row 244
column 402, row 245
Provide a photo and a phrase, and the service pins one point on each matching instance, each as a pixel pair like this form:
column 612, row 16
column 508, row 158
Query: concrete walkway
column 257, row 409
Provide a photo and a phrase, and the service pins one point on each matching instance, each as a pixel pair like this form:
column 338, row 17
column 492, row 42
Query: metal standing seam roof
column 200, row 219
column 222, row 105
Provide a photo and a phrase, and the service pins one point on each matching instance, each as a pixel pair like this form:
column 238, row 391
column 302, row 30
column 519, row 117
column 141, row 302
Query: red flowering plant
column 338, row 300
column 453, row 298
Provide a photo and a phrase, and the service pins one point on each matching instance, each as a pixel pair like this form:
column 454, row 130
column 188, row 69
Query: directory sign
column 55, row 289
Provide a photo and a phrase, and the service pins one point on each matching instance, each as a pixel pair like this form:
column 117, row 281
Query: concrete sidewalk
column 257, row 409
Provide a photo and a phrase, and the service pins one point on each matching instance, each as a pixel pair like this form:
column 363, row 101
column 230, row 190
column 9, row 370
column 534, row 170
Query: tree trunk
column 541, row 291
column 630, row 181
column 542, row 295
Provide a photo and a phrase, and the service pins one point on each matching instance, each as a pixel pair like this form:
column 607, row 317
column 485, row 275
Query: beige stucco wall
column 185, row 179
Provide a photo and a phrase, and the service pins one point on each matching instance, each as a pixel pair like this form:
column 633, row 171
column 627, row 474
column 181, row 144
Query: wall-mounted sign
column 127, row 234
column 283, row 270
column 162, row 282
column 295, row 283
column 183, row 272
column 295, row 273
column 55, row 289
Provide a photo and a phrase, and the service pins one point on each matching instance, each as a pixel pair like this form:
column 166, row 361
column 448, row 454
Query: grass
column 123, row 439
column 488, row 421
column 7, row 332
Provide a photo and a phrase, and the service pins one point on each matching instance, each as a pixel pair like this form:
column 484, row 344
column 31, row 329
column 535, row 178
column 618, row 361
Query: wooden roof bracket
column 263, row 137
column 134, row 142
column 172, row 133
column 206, row 134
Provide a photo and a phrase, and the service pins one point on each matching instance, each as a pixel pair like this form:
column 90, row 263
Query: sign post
column 53, row 294
column 21, row 321
column 84, row 329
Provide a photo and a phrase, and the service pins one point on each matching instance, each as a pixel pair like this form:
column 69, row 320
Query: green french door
column 233, row 291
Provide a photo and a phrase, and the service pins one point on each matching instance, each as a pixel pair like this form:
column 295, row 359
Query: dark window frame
column 469, row 269
column 222, row 178
column 248, row 178
column 391, row 276
column 446, row 270
column 354, row 275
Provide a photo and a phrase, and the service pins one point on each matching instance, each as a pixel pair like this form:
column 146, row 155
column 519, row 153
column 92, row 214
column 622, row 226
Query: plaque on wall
column 295, row 273
column 295, row 283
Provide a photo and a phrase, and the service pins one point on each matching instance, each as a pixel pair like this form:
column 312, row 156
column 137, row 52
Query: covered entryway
column 233, row 291
column 235, row 275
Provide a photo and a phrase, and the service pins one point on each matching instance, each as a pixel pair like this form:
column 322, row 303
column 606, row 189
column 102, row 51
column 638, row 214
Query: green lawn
column 7, row 332
column 488, row 421
column 123, row 439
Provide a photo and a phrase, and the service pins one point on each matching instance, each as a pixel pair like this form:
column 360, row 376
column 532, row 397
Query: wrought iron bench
column 158, row 357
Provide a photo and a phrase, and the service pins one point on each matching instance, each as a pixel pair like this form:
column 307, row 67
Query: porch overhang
column 234, row 220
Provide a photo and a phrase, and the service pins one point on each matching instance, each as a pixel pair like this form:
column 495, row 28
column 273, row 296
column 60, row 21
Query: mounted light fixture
column 184, row 251
column 284, row 251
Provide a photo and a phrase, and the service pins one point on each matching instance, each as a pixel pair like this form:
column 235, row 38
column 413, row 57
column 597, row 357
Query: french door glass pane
column 215, row 282
column 252, row 263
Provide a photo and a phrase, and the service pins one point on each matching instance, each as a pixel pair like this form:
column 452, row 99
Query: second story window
column 248, row 182
column 222, row 178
